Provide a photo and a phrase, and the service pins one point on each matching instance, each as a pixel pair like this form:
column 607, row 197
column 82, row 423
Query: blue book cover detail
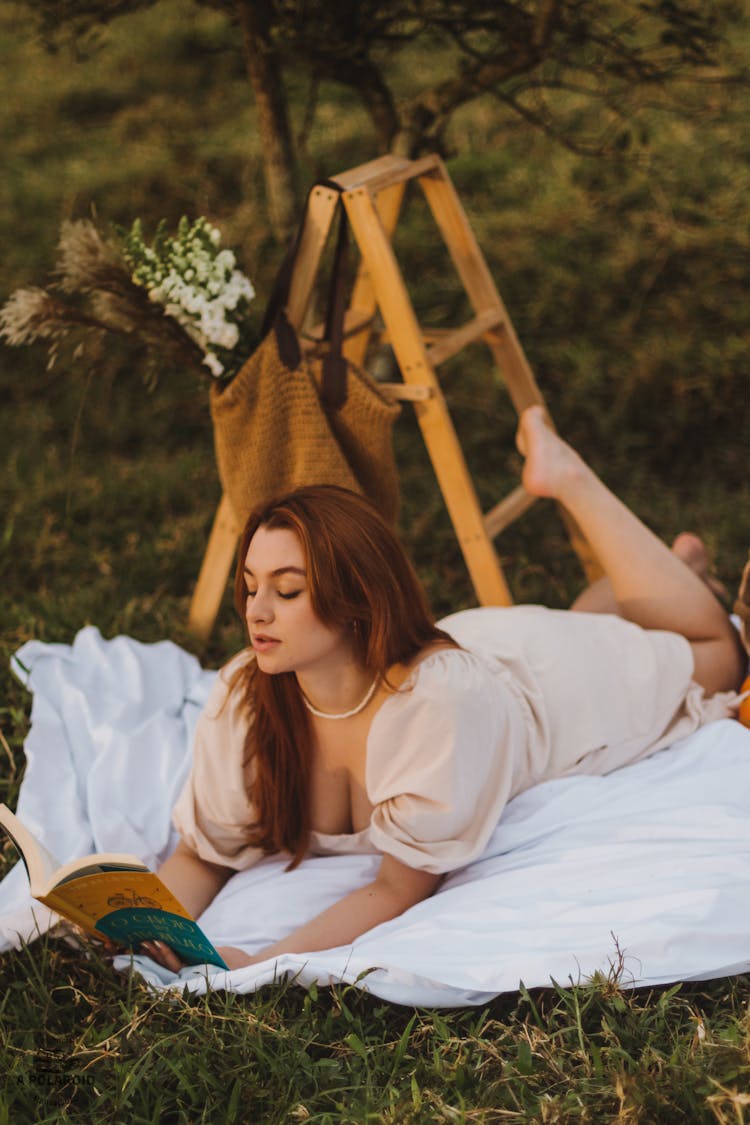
column 131, row 925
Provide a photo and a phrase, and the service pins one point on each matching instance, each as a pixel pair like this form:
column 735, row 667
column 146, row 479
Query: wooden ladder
column 372, row 195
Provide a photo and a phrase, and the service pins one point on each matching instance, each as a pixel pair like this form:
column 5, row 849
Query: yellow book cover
column 111, row 895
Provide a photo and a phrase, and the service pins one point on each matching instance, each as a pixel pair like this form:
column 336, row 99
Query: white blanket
column 652, row 861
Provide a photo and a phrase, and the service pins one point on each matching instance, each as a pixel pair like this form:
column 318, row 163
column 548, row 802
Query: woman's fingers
column 160, row 952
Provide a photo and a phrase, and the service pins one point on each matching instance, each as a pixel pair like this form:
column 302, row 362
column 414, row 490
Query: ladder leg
column 461, row 501
column 212, row 579
column 502, row 340
column 321, row 208
column 363, row 298
column 437, row 428
column 459, row 238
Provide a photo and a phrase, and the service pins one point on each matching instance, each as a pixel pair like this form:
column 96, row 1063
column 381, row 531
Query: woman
column 354, row 723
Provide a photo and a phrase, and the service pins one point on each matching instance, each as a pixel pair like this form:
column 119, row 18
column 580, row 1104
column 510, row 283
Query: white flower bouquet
column 181, row 299
column 199, row 285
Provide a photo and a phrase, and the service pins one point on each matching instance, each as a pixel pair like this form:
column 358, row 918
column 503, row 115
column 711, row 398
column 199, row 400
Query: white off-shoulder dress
column 531, row 694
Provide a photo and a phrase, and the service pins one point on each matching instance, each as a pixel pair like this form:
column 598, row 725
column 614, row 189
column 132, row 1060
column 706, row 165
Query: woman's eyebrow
column 280, row 570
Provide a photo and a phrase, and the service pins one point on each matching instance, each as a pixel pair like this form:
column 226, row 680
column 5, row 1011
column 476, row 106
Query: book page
column 39, row 863
column 93, row 865
column 43, row 869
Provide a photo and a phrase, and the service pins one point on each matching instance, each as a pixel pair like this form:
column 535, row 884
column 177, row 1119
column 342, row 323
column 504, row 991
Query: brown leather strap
column 333, row 389
column 282, row 282
column 333, row 384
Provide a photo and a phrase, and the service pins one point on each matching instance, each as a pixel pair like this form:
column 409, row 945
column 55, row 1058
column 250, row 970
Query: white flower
column 213, row 364
column 197, row 283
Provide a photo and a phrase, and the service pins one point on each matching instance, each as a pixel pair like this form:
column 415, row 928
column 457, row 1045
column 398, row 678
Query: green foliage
column 574, row 68
column 81, row 1044
column 625, row 279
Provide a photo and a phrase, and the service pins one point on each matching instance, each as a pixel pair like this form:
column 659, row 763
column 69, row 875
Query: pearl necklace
column 343, row 714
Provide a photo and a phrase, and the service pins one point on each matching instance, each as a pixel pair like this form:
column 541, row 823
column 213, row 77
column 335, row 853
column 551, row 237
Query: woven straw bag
column 272, row 433
column 290, row 418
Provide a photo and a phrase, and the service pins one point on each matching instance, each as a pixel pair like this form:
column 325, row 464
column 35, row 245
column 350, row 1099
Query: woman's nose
column 258, row 608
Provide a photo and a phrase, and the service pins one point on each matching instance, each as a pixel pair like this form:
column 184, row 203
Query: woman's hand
column 160, row 952
column 163, row 954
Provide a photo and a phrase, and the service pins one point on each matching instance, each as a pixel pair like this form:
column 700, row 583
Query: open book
column 112, row 896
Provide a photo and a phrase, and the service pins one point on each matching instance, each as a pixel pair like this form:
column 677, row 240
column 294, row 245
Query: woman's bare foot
column 692, row 551
column 551, row 466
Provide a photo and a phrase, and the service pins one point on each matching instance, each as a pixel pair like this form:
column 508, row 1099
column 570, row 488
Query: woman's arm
column 394, row 890
column 194, row 881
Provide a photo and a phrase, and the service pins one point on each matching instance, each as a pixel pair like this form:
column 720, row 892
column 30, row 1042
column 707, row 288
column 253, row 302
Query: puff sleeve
column 213, row 813
column 441, row 761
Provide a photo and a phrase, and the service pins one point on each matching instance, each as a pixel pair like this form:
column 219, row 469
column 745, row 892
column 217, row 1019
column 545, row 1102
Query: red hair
column 359, row 576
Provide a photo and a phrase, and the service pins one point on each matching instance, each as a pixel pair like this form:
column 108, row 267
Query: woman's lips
column 262, row 643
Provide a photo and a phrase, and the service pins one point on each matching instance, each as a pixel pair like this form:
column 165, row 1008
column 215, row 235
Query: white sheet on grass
column 653, row 860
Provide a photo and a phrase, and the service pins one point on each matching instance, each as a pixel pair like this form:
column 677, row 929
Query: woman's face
column 285, row 632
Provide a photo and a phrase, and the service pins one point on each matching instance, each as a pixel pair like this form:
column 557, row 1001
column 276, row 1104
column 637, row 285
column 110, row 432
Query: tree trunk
column 264, row 70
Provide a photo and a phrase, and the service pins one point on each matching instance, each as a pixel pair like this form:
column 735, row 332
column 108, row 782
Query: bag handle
column 334, row 369
column 333, row 382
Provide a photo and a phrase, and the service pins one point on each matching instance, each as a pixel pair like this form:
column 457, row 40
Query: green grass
column 626, row 282
column 78, row 1045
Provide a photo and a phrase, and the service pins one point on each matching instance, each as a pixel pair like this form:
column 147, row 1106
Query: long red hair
column 360, row 580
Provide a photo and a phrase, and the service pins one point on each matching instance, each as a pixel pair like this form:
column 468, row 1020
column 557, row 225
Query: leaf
column 356, row 1045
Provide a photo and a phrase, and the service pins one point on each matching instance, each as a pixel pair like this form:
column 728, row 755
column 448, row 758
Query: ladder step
column 453, row 341
column 363, row 174
column 386, row 171
column 503, row 514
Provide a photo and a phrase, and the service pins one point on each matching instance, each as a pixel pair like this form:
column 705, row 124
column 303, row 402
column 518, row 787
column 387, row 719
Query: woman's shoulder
column 441, row 670
column 437, row 766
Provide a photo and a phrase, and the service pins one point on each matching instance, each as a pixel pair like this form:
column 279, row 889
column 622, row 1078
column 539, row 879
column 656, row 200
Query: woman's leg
column 690, row 549
column 651, row 586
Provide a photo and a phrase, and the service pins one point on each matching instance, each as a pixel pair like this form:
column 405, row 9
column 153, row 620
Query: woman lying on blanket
column 354, row 723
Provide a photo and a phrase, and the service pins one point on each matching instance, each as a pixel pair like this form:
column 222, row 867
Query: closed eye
column 287, row 597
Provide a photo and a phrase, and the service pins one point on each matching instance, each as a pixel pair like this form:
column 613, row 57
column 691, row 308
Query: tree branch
column 425, row 120
column 544, row 21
